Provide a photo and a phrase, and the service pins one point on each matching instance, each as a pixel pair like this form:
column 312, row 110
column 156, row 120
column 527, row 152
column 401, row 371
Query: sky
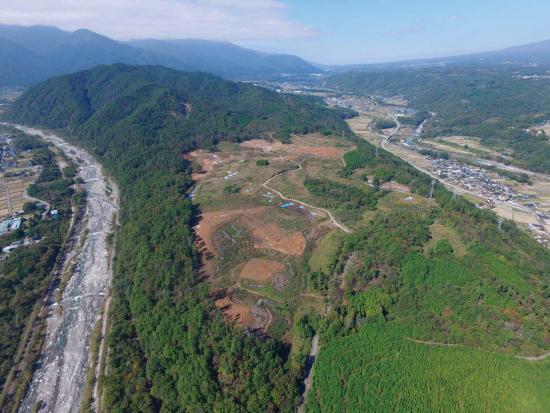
column 322, row 31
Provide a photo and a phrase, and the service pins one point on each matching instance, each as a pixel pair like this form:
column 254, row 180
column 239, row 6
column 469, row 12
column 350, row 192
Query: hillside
column 21, row 66
column 170, row 347
column 224, row 58
column 36, row 53
column 496, row 104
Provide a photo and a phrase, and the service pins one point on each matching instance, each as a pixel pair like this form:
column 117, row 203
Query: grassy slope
column 380, row 370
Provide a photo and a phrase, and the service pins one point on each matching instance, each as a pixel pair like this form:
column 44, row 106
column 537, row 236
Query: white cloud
column 235, row 20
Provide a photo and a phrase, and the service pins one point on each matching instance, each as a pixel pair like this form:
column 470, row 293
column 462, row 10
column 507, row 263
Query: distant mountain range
column 31, row 54
column 529, row 54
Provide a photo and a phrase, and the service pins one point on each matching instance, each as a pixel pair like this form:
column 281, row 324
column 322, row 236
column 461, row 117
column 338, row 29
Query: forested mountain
column 497, row 104
column 20, row 66
column 170, row 348
column 224, row 58
column 31, row 54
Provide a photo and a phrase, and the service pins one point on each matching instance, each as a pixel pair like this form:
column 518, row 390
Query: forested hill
column 170, row 350
column 496, row 104
column 153, row 100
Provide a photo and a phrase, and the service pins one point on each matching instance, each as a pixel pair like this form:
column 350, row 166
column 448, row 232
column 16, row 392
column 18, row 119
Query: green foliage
column 381, row 370
column 170, row 349
column 434, row 154
column 443, row 248
column 487, row 102
column 347, row 200
column 26, row 272
column 385, row 124
column 262, row 162
column 371, row 304
column 232, row 189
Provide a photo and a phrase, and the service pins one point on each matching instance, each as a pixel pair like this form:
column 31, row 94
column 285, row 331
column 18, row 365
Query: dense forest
column 380, row 369
column 495, row 104
column 170, row 348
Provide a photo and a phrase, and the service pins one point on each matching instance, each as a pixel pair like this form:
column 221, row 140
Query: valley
column 57, row 385
column 260, row 236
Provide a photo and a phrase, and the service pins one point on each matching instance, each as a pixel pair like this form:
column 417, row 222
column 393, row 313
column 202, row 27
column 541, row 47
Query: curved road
column 59, row 379
column 265, row 185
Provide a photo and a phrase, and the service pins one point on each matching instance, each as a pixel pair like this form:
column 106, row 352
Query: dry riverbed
column 58, row 381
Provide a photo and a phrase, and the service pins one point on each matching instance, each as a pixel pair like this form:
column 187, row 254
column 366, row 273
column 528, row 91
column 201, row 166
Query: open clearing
column 314, row 146
column 251, row 240
column 272, row 237
column 254, row 238
column 261, row 270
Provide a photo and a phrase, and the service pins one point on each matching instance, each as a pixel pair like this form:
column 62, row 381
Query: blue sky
column 351, row 31
column 324, row 31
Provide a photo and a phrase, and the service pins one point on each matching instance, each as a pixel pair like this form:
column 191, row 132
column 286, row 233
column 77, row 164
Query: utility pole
column 377, row 149
column 432, row 189
column 500, row 221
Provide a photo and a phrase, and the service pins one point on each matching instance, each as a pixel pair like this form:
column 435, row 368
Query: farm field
column 14, row 182
column 382, row 369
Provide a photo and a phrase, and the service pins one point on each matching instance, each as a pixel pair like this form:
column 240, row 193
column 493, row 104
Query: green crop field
column 381, row 370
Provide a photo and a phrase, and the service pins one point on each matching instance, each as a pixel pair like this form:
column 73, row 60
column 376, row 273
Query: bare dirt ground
column 395, row 186
column 254, row 212
column 241, row 314
column 261, row 270
column 211, row 221
column 207, row 161
column 265, row 235
column 246, row 314
column 58, row 381
column 13, row 194
column 321, row 151
column 545, row 128
column 270, row 236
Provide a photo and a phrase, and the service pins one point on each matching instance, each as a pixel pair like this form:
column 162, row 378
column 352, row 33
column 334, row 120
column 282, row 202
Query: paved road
column 308, row 381
column 58, row 381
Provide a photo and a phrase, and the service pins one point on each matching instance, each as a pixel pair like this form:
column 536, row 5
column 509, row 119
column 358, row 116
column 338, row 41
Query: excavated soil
column 261, row 270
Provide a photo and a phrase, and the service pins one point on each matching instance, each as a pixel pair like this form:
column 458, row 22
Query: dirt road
column 285, row 198
column 59, row 379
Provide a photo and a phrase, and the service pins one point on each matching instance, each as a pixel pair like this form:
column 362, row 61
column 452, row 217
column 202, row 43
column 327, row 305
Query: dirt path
column 435, row 343
column 59, row 378
column 308, row 381
column 285, row 198
column 534, row 358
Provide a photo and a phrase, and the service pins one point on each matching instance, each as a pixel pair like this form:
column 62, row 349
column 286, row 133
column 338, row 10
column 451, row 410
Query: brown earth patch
column 512, row 314
column 205, row 160
column 270, row 236
column 321, row 151
column 239, row 313
column 250, row 315
column 211, row 221
column 261, row 270
column 395, row 186
column 447, row 312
